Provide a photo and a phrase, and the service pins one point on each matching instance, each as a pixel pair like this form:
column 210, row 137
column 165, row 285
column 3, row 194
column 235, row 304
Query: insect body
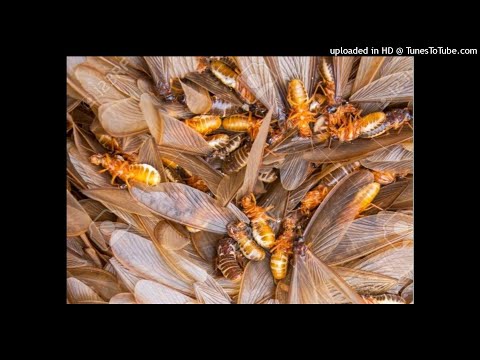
column 227, row 259
column 338, row 174
column 393, row 119
column 262, row 232
column 204, row 124
column 242, row 123
column 283, row 246
column 109, row 142
column 118, row 167
column 218, row 141
column 384, row 299
column 366, row 195
column 241, row 233
column 300, row 115
column 313, row 198
column 232, row 79
column 268, row 176
column 237, row 160
column 193, row 180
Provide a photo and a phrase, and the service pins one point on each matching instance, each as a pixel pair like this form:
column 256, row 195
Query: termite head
column 346, row 133
column 96, row 159
column 248, row 201
column 236, row 228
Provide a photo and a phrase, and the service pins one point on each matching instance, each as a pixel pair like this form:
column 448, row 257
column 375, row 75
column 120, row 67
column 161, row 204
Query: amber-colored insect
column 282, row 250
column 193, row 180
column 262, row 232
column 300, row 115
column 109, row 142
column 227, row 260
column 313, row 198
column 218, row 141
column 268, row 176
column 328, row 83
column 118, row 167
column 338, row 174
column 171, row 164
column 241, row 233
column 366, row 195
column 393, row 119
column 237, row 160
column 242, row 123
column 384, row 177
column 232, row 79
column 384, row 299
column 172, row 175
column 204, row 124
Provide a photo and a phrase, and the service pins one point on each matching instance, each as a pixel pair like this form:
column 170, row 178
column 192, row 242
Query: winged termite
column 237, row 160
column 257, row 284
column 242, row 123
column 262, row 232
column 218, row 141
column 242, row 234
column 232, row 79
column 204, row 124
column 118, row 167
column 227, row 259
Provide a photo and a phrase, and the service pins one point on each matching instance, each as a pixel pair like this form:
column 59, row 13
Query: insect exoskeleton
column 204, row 124
column 193, row 180
column 366, row 195
column 230, row 78
column 192, row 229
column 338, row 174
column 171, row 164
column 242, row 123
column 227, row 259
column 108, row 142
column 313, row 198
column 262, row 232
column 118, row 167
column 300, row 115
column 384, row 177
column 396, row 118
column 218, row 141
column 241, row 233
column 172, row 175
column 237, row 160
column 268, row 176
column 384, row 299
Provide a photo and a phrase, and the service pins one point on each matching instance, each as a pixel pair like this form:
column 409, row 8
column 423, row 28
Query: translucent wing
column 210, row 292
column 313, row 282
column 77, row 292
column 404, row 201
column 387, row 195
column 357, row 149
column 209, row 82
column 180, row 66
column 96, row 85
column 125, row 276
column 88, row 172
column 342, row 66
column 151, row 292
column 394, row 158
column 197, row 98
column 78, row 220
column 395, row 261
column 158, row 66
column 229, row 187
column 122, row 117
column 169, row 237
column 123, row 298
column 395, row 87
column 101, row 281
column 365, row 282
column 126, row 85
column 336, row 209
column 368, row 70
column 277, row 197
column 206, row 244
column 294, row 171
column 255, row 157
column 395, row 64
column 119, row 198
column 140, row 256
column 257, row 283
column 189, row 206
column 257, row 76
column 363, row 236
column 97, row 211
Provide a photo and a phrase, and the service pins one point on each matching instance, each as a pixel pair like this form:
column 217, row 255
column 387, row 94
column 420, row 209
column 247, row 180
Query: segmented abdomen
column 313, row 198
column 227, row 261
column 224, row 73
column 218, row 141
column 279, row 264
column 338, row 174
column 143, row 173
column 263, row 234
column 204, row 124
column 238, row 123
column 384, row 299
column 297, row 95
column 250, row 248
column 268, row 176
column 237, row 160
column 366, row 195
column 109, row 142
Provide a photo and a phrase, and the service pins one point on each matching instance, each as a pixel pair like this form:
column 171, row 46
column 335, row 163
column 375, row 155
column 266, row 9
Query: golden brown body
column 237, row 160
column 384, row 299
column 262, row 232
column 204, row 124
column 283, row 246
column 338, row 174
column 241, row 233
column 218, row 141
column 109, row 142
column 384, row 177
column 242, row 123
column 313, row 198
column 193, row 180
column 230, row 78
column 118, row 167
column 300, row 115
column 366, row 195
column 227, row 260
